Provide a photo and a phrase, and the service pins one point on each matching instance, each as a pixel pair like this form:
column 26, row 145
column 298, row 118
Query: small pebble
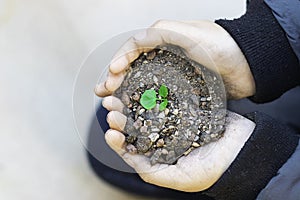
column 142, row 85
column 141, row 111
column 203, row 99
column 136, row 97
column 131, row 149
column 195, row 144
column 153, row 137
column 196, row 91
column 167, row 111
column 175, row 112
column 175, row 88
column 137, row 124
column 143, row 144
column 164, row 151
column 130, row 139
column 150, row 55
column 197, row 70
column 156, row 108
column 125, row 99
column 144, row 129
column 187, row 152
column 160, row 142
column 148, row 122
column 155, row 79
column 161, row 115
column 137, row 75
column 154, row 129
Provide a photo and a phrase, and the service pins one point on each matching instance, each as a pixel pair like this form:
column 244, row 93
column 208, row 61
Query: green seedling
column 149, row 99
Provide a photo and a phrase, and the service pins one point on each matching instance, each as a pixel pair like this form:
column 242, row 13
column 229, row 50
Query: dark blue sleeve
column 287, row 13
column 286, row 184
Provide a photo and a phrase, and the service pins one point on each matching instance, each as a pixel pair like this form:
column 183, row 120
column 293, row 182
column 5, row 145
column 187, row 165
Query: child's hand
column 203, row 41
column 195, row 172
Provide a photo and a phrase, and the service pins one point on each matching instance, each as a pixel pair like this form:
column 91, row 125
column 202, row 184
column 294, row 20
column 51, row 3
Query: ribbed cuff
column 268, row 148
column 274, row 65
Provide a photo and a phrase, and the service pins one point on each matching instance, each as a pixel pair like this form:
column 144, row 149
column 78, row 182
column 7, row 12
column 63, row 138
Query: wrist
column 274, row 65
column 234, row 68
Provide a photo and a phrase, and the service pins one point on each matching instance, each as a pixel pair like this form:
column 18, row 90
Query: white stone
column 153, row 137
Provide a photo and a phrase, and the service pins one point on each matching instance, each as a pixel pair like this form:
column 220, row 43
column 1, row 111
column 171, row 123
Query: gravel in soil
column 195, row 113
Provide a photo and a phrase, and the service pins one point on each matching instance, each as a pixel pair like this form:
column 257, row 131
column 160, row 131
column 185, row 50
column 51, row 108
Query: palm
column 194, row 172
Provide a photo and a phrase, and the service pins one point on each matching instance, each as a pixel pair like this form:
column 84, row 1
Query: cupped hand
column 204, row 42
column 192, row 173
column 210, row 45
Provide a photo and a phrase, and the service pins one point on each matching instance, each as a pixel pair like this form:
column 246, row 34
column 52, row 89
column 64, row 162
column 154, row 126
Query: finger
column 124, row 56
column 182, row 35
column 198, row 23
column 114, row 81
column 198, row 47
column 160, row 33
column 116, row 141
column 116, row 120
column 168, row 32
column 172, row 32
column 140, row 163
column 144, row 41
column 101, row 91
column 112, row 103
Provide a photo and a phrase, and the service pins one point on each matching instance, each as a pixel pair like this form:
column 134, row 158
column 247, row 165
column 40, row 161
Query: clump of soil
column 194, row 116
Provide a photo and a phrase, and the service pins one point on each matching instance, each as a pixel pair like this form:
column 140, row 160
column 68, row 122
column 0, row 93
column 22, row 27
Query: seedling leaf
column 163, row 91
column 148, row 99
column 163, row 105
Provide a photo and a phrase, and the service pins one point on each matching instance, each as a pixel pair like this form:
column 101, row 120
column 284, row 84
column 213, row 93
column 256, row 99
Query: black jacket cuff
column 274, row 65
column 268, row 148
